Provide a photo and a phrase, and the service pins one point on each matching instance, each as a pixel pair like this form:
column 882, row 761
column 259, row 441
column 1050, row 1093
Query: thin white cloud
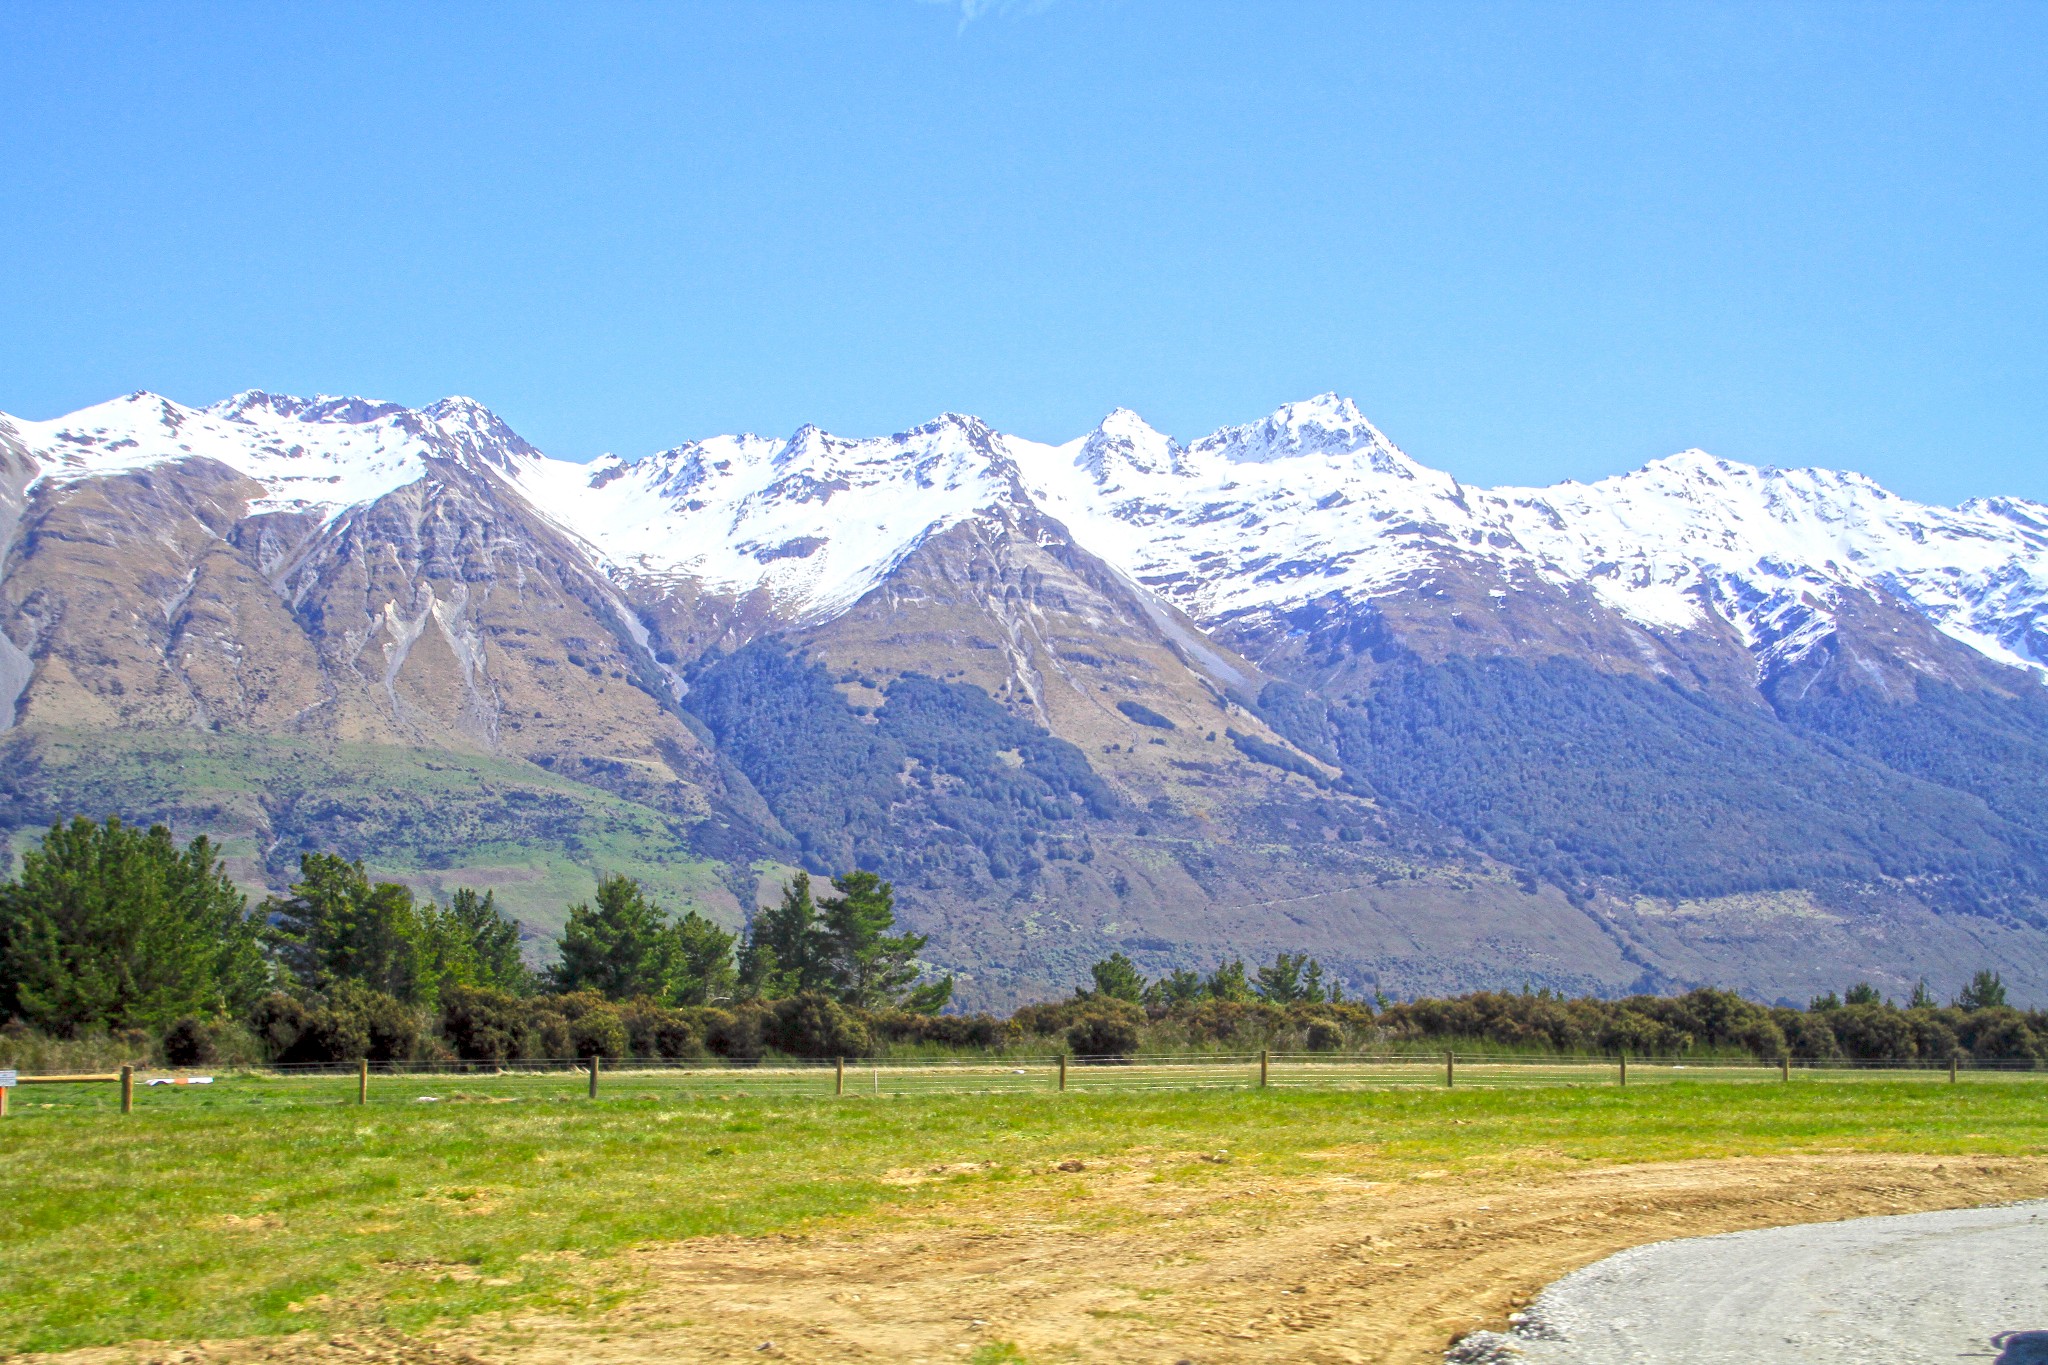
column 970, row 10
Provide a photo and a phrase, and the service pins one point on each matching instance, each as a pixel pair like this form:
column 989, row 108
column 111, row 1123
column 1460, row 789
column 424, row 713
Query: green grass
column 264, row 1206
column 436, row 819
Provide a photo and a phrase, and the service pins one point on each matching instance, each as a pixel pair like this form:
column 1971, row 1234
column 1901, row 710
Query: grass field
column 263, row 1206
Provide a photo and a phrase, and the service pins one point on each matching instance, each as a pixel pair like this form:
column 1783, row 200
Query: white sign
column 9, row 1078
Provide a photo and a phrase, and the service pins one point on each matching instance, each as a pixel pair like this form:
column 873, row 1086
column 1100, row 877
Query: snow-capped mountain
column 1310, row 504
column 1278, row 688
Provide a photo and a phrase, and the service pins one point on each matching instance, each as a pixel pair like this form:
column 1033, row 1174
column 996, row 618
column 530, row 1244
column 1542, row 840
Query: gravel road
column 1966, row 1285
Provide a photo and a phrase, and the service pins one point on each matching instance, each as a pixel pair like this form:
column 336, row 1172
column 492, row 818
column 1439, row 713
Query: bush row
column 476, row 1024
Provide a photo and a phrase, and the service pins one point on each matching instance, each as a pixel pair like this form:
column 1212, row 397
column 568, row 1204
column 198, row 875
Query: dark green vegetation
column 109, row 926
column 261, row 1207
column 834, row 781
column 110, row 932
column 1589, row 780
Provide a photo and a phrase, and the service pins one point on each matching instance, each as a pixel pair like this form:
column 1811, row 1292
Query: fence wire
column 659, row 1077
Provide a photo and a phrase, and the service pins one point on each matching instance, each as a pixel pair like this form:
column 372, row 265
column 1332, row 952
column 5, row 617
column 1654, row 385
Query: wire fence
column 854, row 1077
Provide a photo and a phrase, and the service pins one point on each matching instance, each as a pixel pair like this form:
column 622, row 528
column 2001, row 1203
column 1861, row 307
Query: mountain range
column 1279, row 689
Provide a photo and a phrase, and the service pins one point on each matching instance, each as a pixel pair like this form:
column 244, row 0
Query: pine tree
column 1178, row 987
column 1281, row 983
column 338, row 926
column 1228, row 982
column 1923, row 998
column 622, row 947
column 1986, row 991
column 786, row 952
column 493, row 943
column 872, row 968
column 108, row 926
column 704, row 968
column 1116, row 978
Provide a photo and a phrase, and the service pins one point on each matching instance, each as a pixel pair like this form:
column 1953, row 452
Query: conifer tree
column 1986, row 991
column 1117, row 978
column 493, row 942
column 786, row 952
column 109, row 926
column 1281, row 983
column 622, row 947
column 1228, row 982
column 703, row 965
column 336, row 925
column 872, row 968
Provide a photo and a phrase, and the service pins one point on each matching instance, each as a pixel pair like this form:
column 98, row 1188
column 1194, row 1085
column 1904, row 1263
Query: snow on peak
column 814, row 521
column 320, row 455
column 1324, row 425
column 1309, row 503
column 1125, row 444
column 480, row 433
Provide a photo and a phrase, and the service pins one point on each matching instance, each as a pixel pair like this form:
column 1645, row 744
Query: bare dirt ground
column 1113, row 1266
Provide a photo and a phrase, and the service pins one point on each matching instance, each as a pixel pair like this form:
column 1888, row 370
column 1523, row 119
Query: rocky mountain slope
column 1279, row 688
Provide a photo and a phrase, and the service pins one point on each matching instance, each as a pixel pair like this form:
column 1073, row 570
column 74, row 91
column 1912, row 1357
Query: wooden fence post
column 1450, row 1069
column 363, row 1080
column 1263, row 1056
column 127, row 1089
column 839, row 1076
column 1063, row 1071
column 1624, row 1068
column 1951, row 1068
column 593, row 1075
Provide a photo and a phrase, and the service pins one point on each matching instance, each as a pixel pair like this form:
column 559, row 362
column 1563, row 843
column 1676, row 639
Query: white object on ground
column 1967, row 1284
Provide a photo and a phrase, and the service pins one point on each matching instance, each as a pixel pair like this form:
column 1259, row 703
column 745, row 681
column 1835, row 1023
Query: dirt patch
column 1115, row 1266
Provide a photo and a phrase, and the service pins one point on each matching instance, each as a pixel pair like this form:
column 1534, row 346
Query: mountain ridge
column 1269, row 646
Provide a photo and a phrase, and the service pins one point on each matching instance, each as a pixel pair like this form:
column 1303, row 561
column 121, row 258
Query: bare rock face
column 1278, row 689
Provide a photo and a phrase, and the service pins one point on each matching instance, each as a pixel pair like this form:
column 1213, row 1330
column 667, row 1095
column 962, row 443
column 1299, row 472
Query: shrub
column 815, row 1025
column 736, row 1035
column 279, row 1021
column 353, row 1022
column 1873, row 1033
column 487, row 1025
column 592, row 1026
column 1999, row 1034
column 1934, row 1039
column 654, row 1030
column 1807, row 1036
column 1324, row 1035
column 947, row 1030
column 1105, row 1030
column 191, row 1042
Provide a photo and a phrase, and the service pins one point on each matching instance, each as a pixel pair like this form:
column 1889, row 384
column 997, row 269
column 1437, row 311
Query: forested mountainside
column 1280, row 689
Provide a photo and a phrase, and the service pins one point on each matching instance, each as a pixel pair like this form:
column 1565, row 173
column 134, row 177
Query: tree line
column 111, row 929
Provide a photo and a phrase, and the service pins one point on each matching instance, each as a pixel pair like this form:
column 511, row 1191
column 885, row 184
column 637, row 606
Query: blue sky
column 1535, row 241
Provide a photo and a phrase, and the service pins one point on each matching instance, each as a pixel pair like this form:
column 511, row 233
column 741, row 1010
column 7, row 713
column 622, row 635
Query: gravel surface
column 1967, row 1285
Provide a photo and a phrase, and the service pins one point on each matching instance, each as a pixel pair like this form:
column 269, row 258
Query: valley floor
column 1124, row 1230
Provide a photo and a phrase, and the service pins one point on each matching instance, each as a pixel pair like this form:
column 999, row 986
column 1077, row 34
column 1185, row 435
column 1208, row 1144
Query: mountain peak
column 1326, row 424
column 479, row 432
column 1122, row 443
